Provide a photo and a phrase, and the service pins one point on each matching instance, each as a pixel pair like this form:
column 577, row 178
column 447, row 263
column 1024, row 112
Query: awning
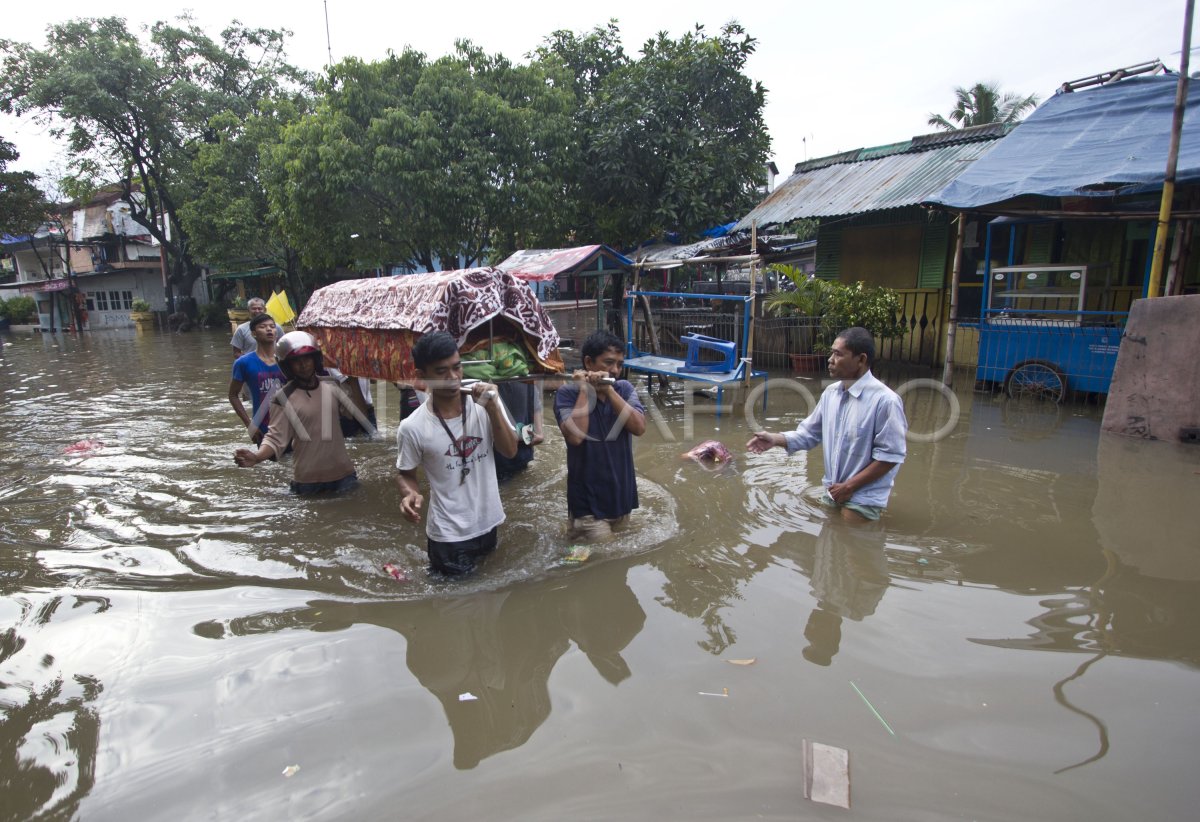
column 539, row 264
column 1102, row 142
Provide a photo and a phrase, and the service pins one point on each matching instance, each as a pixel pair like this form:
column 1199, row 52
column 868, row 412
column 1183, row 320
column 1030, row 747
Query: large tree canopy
column 672, row 141
column 228, row 216
column 425, row 163
column 136, row 110
column 984, row 103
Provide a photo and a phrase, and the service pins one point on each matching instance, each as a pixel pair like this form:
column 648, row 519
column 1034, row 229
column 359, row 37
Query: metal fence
column 1056, row 360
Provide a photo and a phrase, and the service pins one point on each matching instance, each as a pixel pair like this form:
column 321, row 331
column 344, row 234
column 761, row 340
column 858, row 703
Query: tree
column 228, row 217
column 23, row 206
column 672, row 141
column 421, row 163
column 981, row 104
column 135, row 111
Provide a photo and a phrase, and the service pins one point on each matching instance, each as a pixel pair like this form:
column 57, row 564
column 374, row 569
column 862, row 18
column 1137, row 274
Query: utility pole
column 1168, row 193
column 328, row 42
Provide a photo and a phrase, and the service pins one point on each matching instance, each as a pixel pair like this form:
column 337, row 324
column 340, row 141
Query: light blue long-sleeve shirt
column 858, row 424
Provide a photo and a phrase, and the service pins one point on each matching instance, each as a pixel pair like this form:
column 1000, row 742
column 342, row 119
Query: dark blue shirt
column 600, row 478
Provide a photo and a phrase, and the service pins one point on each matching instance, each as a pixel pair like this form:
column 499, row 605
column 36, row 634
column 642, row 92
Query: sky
column 838, row 75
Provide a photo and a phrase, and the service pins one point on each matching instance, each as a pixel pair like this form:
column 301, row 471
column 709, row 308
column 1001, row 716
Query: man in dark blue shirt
column 599, row 415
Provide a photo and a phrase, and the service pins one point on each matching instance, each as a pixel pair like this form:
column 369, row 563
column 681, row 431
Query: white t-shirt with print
column 457, row 509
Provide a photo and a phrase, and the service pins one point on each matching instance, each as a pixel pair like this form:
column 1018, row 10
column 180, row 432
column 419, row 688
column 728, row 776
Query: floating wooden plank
column 826, row 774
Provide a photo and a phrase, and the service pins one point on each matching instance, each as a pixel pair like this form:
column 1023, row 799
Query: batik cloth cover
column 368, row 327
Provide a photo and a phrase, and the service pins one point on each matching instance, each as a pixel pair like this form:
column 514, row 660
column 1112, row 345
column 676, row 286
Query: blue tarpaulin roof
column 1101, row 142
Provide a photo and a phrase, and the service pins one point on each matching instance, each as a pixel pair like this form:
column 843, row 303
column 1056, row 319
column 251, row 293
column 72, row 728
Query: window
column 91, row 300
column 101, row 301
column 127, row 300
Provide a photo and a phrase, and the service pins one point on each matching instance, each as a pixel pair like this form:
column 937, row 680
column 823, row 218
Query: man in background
column 242, row 341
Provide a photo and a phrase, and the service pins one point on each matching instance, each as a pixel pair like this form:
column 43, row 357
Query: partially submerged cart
column 1036, row 339
column 367, row 327
column 1047, row 328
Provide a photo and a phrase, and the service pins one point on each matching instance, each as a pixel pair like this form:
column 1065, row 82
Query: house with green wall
column 872, row 227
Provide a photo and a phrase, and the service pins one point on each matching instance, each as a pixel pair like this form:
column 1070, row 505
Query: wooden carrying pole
column 952, row 325
column 1168, row 193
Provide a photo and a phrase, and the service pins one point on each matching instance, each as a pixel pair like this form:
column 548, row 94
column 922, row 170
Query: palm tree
column 983, row 103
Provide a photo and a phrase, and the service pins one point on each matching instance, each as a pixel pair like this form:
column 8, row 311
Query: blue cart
column 1036, row 339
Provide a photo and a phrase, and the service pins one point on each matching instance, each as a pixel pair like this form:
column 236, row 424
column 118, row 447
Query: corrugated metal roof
column 547, row 263
column 874, row 179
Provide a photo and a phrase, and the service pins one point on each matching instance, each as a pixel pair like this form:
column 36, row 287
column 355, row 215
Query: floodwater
column 181, row 639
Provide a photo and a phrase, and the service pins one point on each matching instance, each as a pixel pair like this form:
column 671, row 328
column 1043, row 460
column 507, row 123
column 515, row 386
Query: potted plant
column 807, row 299
column 830, row 307
column 142, row 316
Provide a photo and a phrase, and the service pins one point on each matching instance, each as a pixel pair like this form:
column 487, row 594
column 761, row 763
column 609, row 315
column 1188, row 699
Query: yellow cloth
column 279, row 308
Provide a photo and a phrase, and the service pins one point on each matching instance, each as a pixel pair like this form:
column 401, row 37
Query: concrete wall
column 1156, row 384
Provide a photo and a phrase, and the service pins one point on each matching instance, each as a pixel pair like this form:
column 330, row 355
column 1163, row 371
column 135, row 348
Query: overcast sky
column 839, row 75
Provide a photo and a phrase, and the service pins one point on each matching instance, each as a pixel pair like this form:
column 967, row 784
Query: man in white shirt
column 243, row 341
column 862, row 425
column 452, row 436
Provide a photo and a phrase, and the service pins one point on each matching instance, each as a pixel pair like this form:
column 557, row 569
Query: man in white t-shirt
column 452, row 437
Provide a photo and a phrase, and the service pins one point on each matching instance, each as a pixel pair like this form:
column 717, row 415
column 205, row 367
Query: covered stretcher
column 368, row 327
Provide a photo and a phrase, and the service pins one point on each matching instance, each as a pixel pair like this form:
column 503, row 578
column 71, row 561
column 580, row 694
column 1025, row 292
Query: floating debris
column 872, row 707
column 826, row 774
column 395, row 572
column 290, row 771
column 725, row 692
column 467, row 697
column 749, row 661
column 710, row 451
column 83, row 448
column 577, row 553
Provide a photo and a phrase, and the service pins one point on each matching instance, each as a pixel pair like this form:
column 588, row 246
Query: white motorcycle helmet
column 296, row 344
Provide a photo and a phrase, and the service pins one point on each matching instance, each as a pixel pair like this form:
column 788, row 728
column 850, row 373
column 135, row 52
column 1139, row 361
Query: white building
column 87, row 272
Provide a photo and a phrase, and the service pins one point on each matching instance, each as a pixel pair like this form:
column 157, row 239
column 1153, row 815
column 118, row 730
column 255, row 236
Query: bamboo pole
column 952, row 325
column 747, row 354
column 1168, row 193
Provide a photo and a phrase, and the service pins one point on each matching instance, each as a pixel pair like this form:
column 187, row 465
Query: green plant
column 18, row 310
column 806, row 296
column 139, row 305
column 240, row 304
column 874, row 308
column 834, row 306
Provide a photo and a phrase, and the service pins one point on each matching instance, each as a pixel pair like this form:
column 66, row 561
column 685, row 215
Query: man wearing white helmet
column 304, row 413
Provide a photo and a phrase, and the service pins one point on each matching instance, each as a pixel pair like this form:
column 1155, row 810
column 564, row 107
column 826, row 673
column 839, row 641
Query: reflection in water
column 50, row 729
column 487, row 656
column 849, row 577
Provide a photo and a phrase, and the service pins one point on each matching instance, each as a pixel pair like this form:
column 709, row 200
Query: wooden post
column 748, row 353
column 1168, row 193
column 952, row 325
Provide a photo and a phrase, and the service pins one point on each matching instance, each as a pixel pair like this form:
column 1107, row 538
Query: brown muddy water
column 1020, row 639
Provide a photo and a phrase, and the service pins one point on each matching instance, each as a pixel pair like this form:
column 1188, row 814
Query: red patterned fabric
column 368, row 327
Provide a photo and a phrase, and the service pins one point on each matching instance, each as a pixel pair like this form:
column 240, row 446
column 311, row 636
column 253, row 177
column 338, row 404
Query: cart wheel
column 1036, row 379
